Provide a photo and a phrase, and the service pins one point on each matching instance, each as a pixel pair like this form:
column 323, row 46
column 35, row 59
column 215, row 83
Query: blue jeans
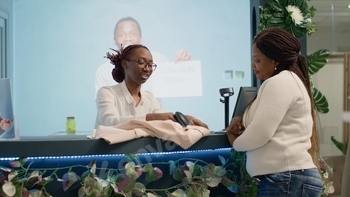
column 298, row 183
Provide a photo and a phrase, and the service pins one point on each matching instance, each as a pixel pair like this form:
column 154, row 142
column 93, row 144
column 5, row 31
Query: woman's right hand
column 160, row 116
column 236, row 126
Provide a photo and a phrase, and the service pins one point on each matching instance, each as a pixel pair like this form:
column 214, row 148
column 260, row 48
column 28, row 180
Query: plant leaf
column 222, row 160
column 341, row 146
column 5, row 169
column 15, row 164
column 227, row 182
column 171, row 166
column 68, row 179
column 81, row 192
column 139, row 189
column 92, row 165
column 219, row 171
column 35, row 193
column 320, row 100
column 127, row 185
column 9, row 189
column 190, row 166
column 188, row 178
column 130, row 169
column 317, row 60
column 213, row 181
column 177, row 174
column 150, row 195
column 178, row 193
column 107, row 191
column 12, row 175
column 138, row 171
column 147, row 167
column 205, row 193
column 153, row 174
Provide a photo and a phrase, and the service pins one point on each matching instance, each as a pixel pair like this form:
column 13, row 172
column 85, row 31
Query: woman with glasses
column 133, row 65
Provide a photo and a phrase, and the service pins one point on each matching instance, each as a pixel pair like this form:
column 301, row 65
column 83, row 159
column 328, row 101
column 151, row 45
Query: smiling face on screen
column 127, row 33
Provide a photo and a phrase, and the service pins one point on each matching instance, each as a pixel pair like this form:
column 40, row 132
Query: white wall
column 330, row 81
column 332, row 39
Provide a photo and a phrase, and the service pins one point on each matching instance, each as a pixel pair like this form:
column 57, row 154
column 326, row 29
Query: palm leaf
column 317, row 60
column 341, row 146
column 320, row 100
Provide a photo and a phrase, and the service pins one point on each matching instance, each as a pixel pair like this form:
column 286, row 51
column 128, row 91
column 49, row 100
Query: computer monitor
column 245, row 96
column 8, row 128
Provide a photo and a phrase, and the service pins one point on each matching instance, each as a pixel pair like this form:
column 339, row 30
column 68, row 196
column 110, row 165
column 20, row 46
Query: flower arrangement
column 326, row 171
column 293, row 16
column 194, row 178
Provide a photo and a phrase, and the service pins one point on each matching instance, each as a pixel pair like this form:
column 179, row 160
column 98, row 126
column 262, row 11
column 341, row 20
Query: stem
column 166, row 189
column 67, row 167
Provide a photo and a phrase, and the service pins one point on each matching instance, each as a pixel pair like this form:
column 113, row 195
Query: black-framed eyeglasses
column 143, row 64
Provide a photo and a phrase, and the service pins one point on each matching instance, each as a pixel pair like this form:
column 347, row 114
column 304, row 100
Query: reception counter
column 80, row 145
column 75, row 152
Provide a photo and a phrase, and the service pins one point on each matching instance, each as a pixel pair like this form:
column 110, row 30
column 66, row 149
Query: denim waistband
column 292, row 172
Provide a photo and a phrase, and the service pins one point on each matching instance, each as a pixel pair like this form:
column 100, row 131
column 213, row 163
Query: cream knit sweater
column 278, row 127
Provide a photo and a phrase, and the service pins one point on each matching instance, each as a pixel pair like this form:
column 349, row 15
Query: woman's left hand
column 197, row 122
column 236, row 126
column 231, row 137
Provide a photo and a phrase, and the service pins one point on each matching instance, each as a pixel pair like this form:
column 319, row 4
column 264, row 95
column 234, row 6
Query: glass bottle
column 70, row 125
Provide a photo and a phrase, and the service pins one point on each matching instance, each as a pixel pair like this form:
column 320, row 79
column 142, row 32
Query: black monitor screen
column 245, row 96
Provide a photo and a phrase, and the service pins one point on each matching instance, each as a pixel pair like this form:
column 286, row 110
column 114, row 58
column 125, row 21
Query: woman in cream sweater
column 279, row 135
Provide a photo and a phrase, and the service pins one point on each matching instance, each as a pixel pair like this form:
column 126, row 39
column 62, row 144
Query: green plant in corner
column 315, row 62
column 341, row 146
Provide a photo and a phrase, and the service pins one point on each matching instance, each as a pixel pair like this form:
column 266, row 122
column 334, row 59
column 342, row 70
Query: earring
column 275, row 67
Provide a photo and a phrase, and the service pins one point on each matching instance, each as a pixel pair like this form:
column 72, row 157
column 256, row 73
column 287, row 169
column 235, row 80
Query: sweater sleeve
column 274, row 100
column 107, row 110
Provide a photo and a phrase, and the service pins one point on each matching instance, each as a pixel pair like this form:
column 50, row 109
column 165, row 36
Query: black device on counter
column 182, row 119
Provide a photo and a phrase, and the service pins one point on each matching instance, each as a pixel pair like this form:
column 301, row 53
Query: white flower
column 330, row 188
column 296, row 14
column 325, row 175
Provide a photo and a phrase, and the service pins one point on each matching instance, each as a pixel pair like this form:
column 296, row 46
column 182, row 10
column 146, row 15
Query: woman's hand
column 160, row 116
column 195, row 121
column 231, row 137
column 5, row 124
column 236, row 126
